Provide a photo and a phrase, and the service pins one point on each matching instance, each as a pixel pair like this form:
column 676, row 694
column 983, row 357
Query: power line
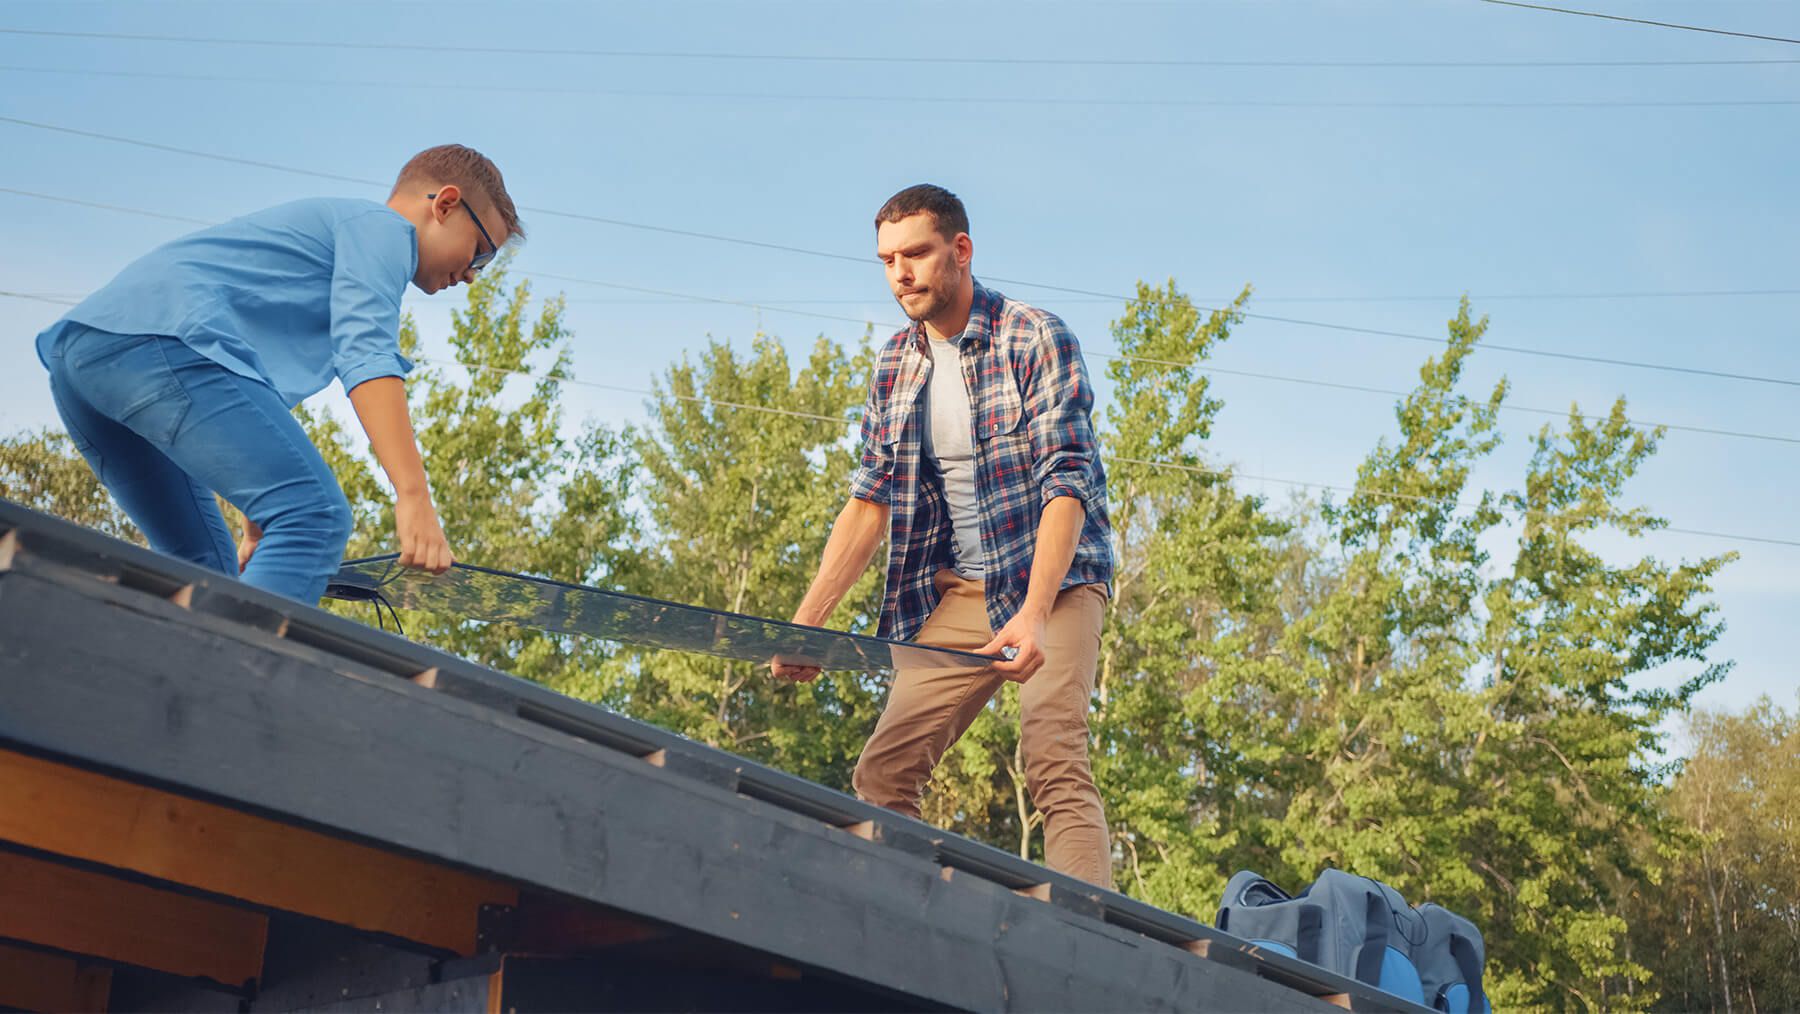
column 715, row 237
column 694, row 234
column 107, row 207
column 1277, row 378
column 1127, row 299
column 855, row 58
column 846, row 421
column 1263, row 297
column 1434, row 340
column 190, row 151
column 849, row 420
column 682, row 297
column 1640, row 21
column 956, row 100
column 1544, row 296
column 1544, row 353
column 35, row 297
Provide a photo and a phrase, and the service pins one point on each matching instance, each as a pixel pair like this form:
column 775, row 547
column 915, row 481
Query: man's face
column 924, row 270
column 451, row 240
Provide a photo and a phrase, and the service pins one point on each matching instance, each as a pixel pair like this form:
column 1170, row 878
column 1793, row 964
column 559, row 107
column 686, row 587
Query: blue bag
column 1451, row 965
column 1351, row 925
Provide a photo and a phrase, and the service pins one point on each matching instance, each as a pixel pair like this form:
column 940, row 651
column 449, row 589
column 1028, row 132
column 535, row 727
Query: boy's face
column 451, row 241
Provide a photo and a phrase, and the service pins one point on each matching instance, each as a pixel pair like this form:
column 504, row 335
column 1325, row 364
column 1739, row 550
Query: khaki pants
column 928, row 709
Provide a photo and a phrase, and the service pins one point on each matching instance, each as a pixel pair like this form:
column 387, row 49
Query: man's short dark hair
column 944, row 207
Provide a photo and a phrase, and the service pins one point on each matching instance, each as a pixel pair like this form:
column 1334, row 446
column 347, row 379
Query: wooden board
column 39, row 981
column 83, row 912
column 77, row 813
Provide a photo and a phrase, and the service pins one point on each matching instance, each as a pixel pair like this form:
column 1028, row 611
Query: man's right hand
column 793, row 673
column 421, row 536
column 859, row 528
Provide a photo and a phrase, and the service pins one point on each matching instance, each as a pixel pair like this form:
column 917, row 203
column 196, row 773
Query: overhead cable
column 1640, row 21
column 877, row 58
column 761, row 244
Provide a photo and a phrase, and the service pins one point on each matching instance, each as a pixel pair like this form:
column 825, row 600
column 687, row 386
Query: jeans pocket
column 84, row 348
column 146, row 395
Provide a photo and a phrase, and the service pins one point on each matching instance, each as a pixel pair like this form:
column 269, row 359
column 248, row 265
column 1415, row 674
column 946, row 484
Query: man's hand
column 793, row 673
column 421, row 537
column 247, row 545
column 796, row 672
column 859, row 528
column 1025, row 632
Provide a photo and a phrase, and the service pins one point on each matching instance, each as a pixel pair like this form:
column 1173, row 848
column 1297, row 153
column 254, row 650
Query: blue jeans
column 164, row 427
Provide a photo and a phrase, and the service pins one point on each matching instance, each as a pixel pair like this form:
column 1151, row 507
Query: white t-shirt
column 950, row 447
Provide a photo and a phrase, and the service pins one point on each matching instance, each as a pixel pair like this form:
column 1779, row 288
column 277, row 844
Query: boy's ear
column 446, row 200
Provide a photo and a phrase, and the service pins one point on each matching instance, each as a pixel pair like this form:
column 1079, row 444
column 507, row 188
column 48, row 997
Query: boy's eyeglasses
column 481, row 259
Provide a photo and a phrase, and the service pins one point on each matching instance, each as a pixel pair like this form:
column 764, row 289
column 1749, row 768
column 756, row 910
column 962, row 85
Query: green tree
column 737, row 506
column 1567, row 774
column 1197, row 603
column 42, row 470
column 1724, row 920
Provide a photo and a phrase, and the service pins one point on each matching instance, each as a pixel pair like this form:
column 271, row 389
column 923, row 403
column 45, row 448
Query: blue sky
column 1371, row 196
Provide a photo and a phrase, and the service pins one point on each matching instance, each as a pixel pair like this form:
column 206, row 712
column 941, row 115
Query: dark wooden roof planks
column 341, row 816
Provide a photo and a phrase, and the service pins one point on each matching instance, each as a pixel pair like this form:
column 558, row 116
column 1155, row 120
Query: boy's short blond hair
column 468, row 169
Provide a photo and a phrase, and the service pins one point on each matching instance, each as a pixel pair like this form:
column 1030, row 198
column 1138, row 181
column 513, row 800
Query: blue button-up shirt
column 1032, row 415
column 294, row 296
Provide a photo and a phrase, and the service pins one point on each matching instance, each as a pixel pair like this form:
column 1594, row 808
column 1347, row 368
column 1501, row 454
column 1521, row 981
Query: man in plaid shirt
column 979, row 463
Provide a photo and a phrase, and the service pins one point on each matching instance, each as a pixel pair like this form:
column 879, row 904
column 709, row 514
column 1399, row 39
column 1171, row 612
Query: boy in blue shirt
column 178, row 379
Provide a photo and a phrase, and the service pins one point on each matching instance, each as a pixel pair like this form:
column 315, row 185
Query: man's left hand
column 1024, row 632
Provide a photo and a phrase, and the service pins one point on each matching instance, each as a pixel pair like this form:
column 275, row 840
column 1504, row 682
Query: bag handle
column 1374, row 948
column 1462, row 949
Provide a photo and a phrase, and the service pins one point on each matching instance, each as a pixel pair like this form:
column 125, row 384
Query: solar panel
column 477, row 593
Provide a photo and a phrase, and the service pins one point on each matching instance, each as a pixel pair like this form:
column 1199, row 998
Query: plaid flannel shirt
column 1032, row 416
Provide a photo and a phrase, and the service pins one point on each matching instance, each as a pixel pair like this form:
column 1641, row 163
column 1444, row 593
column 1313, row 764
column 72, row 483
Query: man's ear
column 965, row 249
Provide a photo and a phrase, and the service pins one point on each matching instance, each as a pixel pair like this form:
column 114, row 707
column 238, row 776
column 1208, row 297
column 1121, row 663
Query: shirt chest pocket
column 893, row 425
column 1000, row 415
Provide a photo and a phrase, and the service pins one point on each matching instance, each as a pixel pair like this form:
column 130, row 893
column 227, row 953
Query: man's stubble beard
column 939, row 302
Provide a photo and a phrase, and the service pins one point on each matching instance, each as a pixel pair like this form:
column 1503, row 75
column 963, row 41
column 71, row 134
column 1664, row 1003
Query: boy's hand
column 381, row 405
column 422, row 542
column 247, row 545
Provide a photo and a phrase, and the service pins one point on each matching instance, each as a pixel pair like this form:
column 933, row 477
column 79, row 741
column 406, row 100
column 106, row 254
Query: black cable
column 1326, row 325
column 38, row 298
column 399, row 627
column 1043, row 61
column 958, row 100
column 683, row 297
column 1640, row 21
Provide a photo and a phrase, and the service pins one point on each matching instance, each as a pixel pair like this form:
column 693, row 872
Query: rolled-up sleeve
column 1059, row 404
column 874, row 475
column 374, row 260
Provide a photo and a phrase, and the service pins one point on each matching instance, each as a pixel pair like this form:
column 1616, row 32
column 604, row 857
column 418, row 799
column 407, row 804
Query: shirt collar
column 983, row 309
